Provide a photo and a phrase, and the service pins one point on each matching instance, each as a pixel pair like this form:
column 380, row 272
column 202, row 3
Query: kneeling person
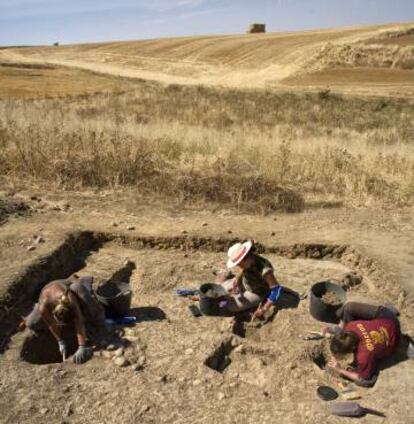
column 65, row 302
column 369, row 332
column 255, row 284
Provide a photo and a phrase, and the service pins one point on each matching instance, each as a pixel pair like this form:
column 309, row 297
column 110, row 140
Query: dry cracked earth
column 176, row 368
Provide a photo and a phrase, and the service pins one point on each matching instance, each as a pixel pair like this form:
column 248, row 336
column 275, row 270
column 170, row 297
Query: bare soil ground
column 269, row 375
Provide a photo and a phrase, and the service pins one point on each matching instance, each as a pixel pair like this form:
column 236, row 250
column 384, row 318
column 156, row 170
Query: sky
column 33, row 22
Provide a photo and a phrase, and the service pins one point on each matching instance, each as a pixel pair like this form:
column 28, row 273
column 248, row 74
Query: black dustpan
column 352, row 409
column 327, row 393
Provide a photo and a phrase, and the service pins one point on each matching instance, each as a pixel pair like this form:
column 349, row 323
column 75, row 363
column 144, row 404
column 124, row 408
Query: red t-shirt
column 379, row 338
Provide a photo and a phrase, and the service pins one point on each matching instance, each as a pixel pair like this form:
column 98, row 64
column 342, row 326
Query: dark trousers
column 353, row 311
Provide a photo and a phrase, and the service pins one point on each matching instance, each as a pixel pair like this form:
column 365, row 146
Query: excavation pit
column 220, row 359
column 42, row 348
column 199, row 360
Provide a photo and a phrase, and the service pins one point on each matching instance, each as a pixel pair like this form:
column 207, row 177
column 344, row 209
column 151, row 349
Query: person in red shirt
column 371, row 333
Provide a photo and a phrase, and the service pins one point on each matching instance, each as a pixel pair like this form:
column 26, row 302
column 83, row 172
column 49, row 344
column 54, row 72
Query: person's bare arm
column 352, row 375
column 49, row 320
column 272, row 282
column 78, row 319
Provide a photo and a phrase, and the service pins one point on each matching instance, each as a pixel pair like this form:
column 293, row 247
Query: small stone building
column 256, row 28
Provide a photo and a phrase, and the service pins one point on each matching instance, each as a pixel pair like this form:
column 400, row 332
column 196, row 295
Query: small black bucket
column 116, row 296
column 323, row 311
column 210, row 296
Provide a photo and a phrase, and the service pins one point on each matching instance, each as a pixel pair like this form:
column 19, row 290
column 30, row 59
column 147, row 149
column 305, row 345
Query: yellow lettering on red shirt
column 367, row 339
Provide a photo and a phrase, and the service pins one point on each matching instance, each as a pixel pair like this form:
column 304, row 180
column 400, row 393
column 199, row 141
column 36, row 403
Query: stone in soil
column 119, row 352
column 121, row 361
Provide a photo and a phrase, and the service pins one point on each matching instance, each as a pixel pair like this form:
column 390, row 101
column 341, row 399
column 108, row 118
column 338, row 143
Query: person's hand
column 81, row 355
column 62, row 349
column 333, row 363
column 258, row 314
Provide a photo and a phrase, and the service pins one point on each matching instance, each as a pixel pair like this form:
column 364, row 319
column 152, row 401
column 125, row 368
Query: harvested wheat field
column 250, row 60
column 145, row 161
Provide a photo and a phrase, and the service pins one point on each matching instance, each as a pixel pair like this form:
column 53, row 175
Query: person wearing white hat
column 255, row 284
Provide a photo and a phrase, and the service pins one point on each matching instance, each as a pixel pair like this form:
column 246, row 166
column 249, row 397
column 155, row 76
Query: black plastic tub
column 116, row 297
column 210, row 296
column 321, row 310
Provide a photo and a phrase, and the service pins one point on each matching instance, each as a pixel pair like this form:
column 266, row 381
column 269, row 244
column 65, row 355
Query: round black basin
column 325, row 299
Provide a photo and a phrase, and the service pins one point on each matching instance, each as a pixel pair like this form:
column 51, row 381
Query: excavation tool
column 352, row 409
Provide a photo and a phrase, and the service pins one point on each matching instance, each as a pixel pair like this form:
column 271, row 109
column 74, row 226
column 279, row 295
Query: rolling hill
column 363, row 60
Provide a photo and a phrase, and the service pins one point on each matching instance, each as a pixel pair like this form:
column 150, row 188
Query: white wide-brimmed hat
column 237, row 253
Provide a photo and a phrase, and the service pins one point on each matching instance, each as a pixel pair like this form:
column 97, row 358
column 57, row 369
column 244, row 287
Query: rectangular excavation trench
column 72, row 254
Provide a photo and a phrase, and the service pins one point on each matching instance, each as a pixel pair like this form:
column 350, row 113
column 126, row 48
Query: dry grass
column 246, row 148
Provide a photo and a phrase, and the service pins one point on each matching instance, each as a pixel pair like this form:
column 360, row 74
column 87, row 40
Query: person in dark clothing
column 66, row 302
column 253, row 283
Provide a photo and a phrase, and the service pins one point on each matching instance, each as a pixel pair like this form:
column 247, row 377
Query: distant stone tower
column 256, row 28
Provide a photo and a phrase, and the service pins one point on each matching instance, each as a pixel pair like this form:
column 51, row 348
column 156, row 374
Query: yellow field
column 271, row 60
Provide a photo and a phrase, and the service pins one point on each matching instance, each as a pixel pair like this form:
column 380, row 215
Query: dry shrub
column 252, row 149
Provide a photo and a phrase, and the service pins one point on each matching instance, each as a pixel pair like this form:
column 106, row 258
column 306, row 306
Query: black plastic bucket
column 321, row 310
column 210, row 296
column 116, row 297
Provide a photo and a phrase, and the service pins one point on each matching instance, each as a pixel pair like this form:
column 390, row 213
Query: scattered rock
column 189, row 351
column 129, row 332
column 240, row 349
column 185, row 255
column 121, row 361
column 107, row 354
column 119, row 352
column 221, row 396
column 163, row 379
column 229, row 232
column 111, row 347
column 141, row 362
column 44, row 411
column 144, row 409
column 114, row 224
column 196, row 382
column 184, row 232
column 31, row 248
column 130, row 228
column 39, row 240
column 273, row 234
column 204, row 224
